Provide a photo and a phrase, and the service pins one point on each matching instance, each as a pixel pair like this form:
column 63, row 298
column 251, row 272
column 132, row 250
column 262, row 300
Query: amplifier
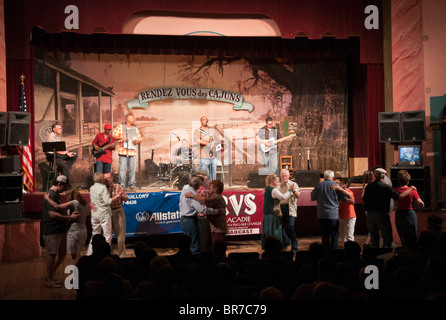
column 306, row 178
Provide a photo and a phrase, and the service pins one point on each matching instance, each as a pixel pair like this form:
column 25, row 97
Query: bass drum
column 177, row 175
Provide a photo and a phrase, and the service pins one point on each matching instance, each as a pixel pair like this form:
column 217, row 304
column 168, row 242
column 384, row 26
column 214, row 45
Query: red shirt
column 347, row 210
column 406, row 203
column 100, row 140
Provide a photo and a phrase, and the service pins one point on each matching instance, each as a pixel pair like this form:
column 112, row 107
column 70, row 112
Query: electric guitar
column 101, row 150
column 273, row 143
column 215, row 145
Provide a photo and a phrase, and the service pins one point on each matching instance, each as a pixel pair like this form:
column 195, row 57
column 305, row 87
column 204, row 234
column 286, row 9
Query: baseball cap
column 381, row 170
column 107, row 126
column 62, row 179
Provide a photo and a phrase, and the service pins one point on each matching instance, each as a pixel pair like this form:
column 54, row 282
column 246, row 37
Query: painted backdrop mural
column 86, row 91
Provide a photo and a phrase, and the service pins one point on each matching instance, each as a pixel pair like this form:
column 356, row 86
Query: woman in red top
column 405, row 216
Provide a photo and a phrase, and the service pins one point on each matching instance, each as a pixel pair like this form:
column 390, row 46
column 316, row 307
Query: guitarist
column 270, row 158
column 204, row 137
column 104, row 162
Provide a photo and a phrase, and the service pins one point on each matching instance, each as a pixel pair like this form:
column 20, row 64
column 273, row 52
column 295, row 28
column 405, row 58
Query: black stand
column 53, row 147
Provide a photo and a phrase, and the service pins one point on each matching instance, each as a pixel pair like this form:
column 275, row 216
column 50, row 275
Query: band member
column 104, row 144
column 207, row 138
column 64, row 159
column 184, row 154
column 268, row 149
column 129, row 137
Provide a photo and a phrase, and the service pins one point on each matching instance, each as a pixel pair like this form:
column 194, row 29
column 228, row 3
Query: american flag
column 25, row 151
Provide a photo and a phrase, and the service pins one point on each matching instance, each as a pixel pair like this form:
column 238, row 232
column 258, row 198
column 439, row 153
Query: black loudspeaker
column 389, row 126
column 256, row 180
column 152, row 168
column 10, row 212
column 414, row 125
column 3, row 122
column 18, row 128
column 10, row 164
column 306, row 178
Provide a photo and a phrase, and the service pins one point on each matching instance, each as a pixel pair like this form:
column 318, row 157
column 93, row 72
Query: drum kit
column 169, row 173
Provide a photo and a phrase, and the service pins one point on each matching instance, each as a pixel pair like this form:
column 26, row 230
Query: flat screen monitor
column 409, row 155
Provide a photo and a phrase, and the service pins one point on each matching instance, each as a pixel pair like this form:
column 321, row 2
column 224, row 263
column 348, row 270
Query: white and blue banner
column 152, row 213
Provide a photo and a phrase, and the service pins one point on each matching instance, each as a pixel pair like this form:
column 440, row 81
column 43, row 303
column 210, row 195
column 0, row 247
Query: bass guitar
column 273, row 143
column 101, row 150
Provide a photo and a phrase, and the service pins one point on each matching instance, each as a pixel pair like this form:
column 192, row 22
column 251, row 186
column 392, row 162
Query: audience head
column 273, row 246
column 196, row 182
column 271, row 180
column 403, row 177
column 379, row 173
column 217, row 186
column 344, row 182
column 328, row 174
column 98, row 177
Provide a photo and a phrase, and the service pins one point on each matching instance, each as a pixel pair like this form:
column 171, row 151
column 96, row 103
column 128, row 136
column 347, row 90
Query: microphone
column 176, row 136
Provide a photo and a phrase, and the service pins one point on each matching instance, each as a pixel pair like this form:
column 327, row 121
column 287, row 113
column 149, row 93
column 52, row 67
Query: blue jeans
column 103, row 167
column 124, row 163
column 190, row 228
column 330, row 233
column 289, row 234
column 210, row 165
column 405, row 221
column 270, row 162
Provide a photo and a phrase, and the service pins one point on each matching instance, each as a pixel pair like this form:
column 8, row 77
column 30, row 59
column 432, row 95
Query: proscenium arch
column 174, row 23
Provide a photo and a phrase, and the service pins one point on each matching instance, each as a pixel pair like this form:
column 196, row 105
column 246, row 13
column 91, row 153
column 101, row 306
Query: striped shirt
column 119, row 133
column 114, row 190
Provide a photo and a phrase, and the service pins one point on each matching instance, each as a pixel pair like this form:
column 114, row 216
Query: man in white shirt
column 189, row 209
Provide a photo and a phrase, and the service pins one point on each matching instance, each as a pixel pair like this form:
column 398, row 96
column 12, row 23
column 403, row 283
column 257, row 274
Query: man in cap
column 103, row 144
column 376, row 199
column 54, row 230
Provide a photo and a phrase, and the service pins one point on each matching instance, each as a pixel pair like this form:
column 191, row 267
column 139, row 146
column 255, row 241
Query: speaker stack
column 389, row 127
column 14, row 131
column 414, row 126
column 407, row 126
column 18, row 128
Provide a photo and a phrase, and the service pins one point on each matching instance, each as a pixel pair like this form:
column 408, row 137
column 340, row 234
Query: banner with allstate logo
column 152, row 213
column 158, row 212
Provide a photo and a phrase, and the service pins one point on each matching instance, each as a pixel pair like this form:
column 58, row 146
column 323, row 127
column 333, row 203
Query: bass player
column 266, row 136
column 209, row 141
column 103, row 145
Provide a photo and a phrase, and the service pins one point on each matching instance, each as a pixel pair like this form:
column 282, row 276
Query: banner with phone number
column 154, row 213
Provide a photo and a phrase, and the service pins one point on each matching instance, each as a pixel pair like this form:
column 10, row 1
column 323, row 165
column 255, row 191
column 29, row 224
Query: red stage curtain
column 375, row 101
column 357, row 113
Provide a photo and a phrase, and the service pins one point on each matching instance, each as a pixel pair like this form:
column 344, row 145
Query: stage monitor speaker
column 389, row 126
column 306, row 178
column 3, row 122
column 18, row 128
column 256, row 180
column 414, row 126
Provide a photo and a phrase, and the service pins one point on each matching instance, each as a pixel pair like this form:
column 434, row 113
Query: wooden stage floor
column 24, row 280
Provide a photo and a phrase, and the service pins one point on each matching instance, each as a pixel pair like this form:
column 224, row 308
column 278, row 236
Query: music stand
column 53, row 147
